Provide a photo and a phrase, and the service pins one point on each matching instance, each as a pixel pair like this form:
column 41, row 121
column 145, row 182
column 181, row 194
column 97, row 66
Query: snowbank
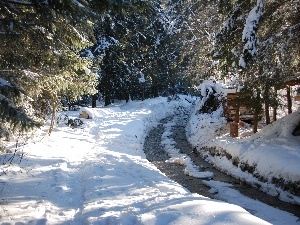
column 269, row 158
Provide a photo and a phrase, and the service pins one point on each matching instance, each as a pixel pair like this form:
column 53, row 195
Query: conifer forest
column 56, row 53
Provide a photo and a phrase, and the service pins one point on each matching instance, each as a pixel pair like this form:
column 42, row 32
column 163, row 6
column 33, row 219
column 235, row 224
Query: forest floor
column 155, row 153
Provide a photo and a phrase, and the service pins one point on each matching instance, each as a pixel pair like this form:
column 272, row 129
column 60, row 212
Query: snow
column 274, row 141
column 98, row 174
column 88, row 111
column 4, row 83
column 78, row 3
column 142, row 78
column 103, row 44
column 242, row 62
column 87, row 71
column 249, row 35
column 274, row 152
column 225, row 192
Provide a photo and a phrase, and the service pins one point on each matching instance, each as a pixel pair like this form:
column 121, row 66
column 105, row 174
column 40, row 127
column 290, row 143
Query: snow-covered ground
column 274, row 152
column 98, row 174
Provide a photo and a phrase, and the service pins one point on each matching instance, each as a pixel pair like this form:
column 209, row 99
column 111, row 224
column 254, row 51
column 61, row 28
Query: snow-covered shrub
column 211, row 96
column 209, row 121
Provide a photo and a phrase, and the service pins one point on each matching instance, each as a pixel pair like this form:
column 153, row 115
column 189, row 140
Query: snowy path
column 99, row 175
column 170, row 137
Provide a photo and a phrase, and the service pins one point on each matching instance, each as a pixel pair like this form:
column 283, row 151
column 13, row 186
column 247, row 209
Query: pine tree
column 40, row 41
column 259, row 42
column 278, row 50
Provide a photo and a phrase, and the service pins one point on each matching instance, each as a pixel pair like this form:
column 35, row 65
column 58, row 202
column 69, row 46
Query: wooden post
column 234, row 129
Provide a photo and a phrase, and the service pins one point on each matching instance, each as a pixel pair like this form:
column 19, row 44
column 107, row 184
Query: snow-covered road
column 99, row 175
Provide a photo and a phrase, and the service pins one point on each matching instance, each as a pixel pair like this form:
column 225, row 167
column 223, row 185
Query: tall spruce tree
column 259, row 42
column 39, row 45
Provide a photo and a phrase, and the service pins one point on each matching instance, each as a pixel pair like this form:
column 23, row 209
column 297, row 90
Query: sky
column 99, row 174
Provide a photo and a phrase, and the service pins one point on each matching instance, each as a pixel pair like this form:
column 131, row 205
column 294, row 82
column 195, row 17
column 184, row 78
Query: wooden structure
column 287, row 83
column 297, row 98
column 234, row 129
column 234, row 109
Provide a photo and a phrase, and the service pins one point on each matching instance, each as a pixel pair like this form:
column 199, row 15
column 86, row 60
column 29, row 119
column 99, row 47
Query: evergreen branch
column 16, row 2
column 10, row 113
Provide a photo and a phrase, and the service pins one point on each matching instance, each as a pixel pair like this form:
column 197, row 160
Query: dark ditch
column 156, row 154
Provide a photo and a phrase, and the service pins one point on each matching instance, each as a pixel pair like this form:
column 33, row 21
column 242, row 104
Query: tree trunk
column 275, row 106
column 155, row 88
column 267, row 105
column 107, row 99
column 274, row 113
column 53, row 112
column 94, row 100
column 256, row 112
column 267, row 113
column 43, row 109
column 143, row 97
column 255, row 123
column 289, row 99
column 107, row 90
column 127, row 96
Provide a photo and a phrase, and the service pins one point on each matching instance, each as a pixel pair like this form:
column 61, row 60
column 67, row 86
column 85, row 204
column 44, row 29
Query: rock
column 84, row 115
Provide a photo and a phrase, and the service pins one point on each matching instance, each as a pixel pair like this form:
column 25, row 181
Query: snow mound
column 271, row 155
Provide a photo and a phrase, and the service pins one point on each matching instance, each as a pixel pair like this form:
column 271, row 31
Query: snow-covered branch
column 249, row 33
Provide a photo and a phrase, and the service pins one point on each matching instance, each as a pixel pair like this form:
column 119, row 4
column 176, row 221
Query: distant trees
column 152, row 42
column 131, row 54
column 174, row 45
column 196, row 25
